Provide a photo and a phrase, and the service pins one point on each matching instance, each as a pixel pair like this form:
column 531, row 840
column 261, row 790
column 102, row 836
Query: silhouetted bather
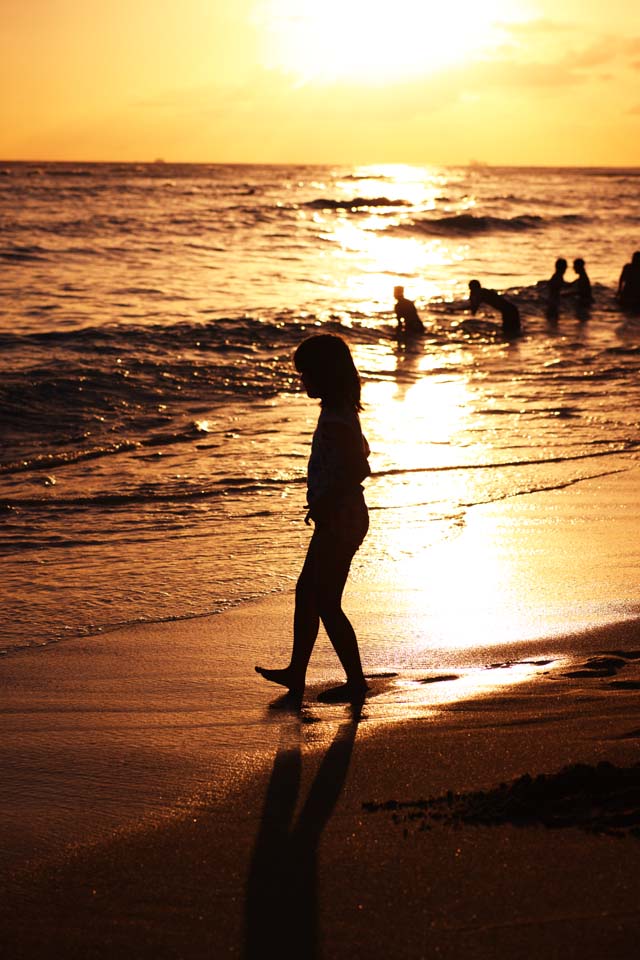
column 555, row 286
column 508, row 311
column 582, row 285
column 409, row 323
column 337, row 467
column 629, row 283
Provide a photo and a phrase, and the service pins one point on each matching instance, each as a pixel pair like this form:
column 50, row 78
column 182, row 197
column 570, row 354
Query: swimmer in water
column 508, row 311
column 409, row 323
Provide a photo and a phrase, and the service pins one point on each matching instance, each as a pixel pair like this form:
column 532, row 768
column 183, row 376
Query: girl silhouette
column 337, row 466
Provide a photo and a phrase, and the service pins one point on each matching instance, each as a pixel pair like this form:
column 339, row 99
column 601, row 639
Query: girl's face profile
column 308, row 383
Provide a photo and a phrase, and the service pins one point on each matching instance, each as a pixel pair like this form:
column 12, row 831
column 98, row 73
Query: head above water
column 475, row 286
column 578, row 264
column 327, row 369
column 561, row 265
column 398, row 292
column 635, row 259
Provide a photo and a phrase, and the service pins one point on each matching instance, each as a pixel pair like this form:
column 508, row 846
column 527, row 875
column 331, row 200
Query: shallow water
column 154, row 441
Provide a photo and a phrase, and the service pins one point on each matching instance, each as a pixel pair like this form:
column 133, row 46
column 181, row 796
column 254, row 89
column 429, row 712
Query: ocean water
column 153, row 437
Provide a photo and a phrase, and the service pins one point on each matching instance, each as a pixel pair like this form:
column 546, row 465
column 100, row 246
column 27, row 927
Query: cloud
column 537, row 46
column 509, row 74
column 538, row 27
column 604, row 50
column 539, row 63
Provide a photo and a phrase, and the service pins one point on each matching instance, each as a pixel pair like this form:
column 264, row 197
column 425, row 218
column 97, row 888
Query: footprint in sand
column 441, row 678
column 598, row 667
column 505, row 665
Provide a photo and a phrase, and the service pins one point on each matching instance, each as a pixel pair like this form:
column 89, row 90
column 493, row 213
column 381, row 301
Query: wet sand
column 482, row 804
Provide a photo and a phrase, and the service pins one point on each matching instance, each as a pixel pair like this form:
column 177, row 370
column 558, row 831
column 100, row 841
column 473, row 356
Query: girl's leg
column 306, row 616
column 332, row 570
column 306, row 622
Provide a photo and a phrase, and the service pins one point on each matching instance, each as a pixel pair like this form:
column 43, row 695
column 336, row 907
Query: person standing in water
column 337, row 467
column 582, row 284
column 409, row 322
column 629, row 284
column 555, row 286
column 508, row 311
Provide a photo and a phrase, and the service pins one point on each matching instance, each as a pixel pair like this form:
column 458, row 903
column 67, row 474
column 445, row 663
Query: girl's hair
column 327, row 359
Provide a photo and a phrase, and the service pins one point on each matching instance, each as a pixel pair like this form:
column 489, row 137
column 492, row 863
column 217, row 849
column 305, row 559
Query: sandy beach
column 158, row 804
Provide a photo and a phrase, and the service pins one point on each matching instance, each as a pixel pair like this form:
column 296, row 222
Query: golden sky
column 354, row 81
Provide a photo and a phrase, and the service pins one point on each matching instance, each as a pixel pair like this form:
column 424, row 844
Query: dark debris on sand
column 600, row 799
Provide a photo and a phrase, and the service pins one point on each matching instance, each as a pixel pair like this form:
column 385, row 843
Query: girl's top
column 338, row 463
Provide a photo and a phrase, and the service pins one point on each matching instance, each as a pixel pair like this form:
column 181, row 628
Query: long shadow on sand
column 281, row 916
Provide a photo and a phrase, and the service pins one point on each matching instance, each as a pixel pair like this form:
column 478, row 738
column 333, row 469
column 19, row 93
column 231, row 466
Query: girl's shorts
column 349, row 521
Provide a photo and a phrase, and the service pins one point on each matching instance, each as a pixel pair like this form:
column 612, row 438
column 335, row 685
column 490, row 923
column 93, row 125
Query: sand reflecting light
column 422, row 695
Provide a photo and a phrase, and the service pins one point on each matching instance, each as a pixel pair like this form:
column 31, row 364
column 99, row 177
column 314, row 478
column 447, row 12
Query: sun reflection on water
column 387, row 259
column 385, row 240
column 450, row 567
column 415, row 416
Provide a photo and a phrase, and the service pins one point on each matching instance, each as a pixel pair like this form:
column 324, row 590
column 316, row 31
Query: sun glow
column 375, row 42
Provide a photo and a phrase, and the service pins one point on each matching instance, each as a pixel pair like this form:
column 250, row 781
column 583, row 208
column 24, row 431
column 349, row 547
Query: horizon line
column 472, row 164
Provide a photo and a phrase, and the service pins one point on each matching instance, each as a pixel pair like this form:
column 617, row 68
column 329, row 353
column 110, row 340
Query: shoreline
column 623, row 467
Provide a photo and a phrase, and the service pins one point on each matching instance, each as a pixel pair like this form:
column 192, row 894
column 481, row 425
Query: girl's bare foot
column 284, row 677
column 353, row 691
